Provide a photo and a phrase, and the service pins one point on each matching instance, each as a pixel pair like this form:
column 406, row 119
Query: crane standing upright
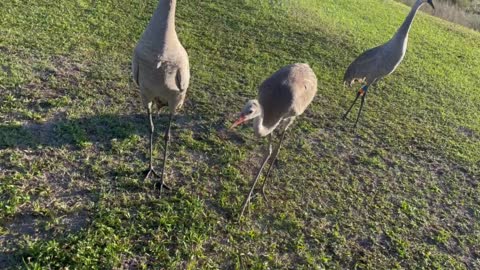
column 161, row 69
column 380, row 61
column 282, row 97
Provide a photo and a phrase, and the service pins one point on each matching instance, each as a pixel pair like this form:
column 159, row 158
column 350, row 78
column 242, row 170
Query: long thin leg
column 167, row 139
column 152, row 130
column 150, row 170
column 273, row 161
column 361, row 107
column 351, row 106
column 247, row 200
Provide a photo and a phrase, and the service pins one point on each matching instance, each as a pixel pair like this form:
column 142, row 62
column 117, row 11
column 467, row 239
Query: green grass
column 402, row 191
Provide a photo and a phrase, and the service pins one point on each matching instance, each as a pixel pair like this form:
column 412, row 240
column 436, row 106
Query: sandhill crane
column 380, row 61
column 282, row 97
column 161, row 69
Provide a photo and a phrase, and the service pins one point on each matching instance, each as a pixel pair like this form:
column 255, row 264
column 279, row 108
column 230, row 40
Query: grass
column 399, row 192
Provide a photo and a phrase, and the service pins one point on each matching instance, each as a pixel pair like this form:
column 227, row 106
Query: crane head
column 430, row 2
column 250, row 110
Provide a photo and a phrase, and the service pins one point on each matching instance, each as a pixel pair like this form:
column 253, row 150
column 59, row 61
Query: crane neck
column 163, row 20
column 405, row 27
column 259, row 128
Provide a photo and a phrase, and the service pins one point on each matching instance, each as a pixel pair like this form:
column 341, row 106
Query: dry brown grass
column 467, row 14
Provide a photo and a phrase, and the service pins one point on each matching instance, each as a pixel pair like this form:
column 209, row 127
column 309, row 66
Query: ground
column 400, row 191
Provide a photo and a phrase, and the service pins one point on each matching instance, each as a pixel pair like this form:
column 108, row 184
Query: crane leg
column 351, row 106
column 272, row 162
column 267, row 156
column 165, row 151
column 361, row 107
column 150, row 170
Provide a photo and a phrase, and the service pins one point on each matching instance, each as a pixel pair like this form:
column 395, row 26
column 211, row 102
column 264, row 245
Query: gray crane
column 380, row 61
column 282, row 97
column 161, row 70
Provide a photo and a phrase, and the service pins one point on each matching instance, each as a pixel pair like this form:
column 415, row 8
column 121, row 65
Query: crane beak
column 431, row 3
column 239, row 121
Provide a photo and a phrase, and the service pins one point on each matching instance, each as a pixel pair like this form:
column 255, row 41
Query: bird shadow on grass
column 80, row 182
column 101, row 131
column 79, row 132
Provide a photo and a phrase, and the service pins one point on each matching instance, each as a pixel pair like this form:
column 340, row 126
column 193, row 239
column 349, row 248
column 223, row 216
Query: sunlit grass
column 399, row 192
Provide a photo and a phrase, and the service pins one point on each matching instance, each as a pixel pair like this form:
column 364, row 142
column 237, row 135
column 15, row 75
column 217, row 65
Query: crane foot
column 257, row 194
column 152, row 172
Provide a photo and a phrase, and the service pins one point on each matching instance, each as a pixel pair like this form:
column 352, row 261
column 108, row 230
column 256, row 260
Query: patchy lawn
column 402, row 191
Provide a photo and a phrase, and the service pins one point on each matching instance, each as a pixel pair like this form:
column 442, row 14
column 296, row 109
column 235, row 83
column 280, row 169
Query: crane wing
column 360, row 68
column 276, row 100
column 183, row 77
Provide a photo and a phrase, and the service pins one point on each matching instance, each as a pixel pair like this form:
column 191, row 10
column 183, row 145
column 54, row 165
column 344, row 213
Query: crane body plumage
column 287, row 93
column 283, row 96
column 376, row 63
column 160, row 68
column 160, row 63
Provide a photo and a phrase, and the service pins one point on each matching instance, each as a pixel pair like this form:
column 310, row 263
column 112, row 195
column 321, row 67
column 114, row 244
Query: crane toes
column 151, row 172
column 162, row 185
column 257, row 194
